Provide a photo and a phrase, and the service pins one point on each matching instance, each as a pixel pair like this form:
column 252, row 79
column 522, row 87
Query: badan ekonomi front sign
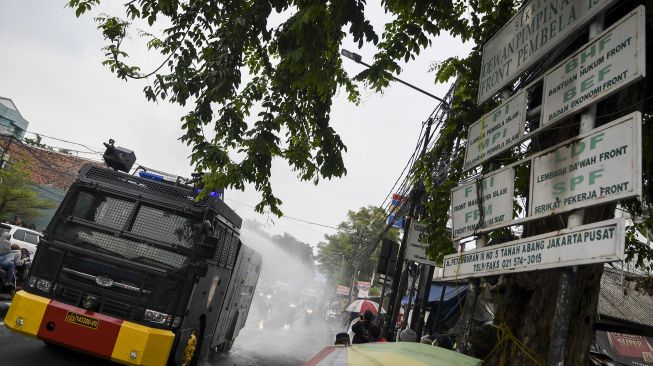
column 612, row 61
column 534, row 31
column 600, row 166
column 594, row 243
column 496, row 131
column 495, row 207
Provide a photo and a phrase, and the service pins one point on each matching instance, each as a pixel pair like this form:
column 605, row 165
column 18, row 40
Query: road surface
column 253, row 347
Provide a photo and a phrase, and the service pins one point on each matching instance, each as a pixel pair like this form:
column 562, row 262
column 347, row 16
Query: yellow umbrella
column 390, row 354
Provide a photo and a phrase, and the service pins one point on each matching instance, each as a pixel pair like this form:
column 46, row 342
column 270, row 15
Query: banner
column 496, row 131
column 603, row 165
column 494, row 209
column 594, row 243
column 537, row 28
column 612, row 61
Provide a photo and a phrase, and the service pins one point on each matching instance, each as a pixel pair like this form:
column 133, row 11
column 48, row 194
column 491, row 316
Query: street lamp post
column 359, row 59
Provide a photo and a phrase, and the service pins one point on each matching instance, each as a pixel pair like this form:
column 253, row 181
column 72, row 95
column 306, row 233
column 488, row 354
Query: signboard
column 363, row 289
column 342, row 290
column 385, row 280
column 536, row 29
column 387, row 257
column 416, row 248
column 594, row 243
column 600, row 166
column 626, row 349
column 396, row 222
column 609, row 63
column 496, row 131
column 497, row 191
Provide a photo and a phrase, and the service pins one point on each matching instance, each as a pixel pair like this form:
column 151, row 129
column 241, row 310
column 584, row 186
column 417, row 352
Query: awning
column 451, row 290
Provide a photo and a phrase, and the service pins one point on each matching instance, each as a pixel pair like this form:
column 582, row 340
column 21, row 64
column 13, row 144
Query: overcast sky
column 51, row 68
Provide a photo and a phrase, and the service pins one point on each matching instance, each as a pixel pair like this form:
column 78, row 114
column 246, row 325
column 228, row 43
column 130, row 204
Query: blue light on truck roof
column 212, row 194
column 150, row 176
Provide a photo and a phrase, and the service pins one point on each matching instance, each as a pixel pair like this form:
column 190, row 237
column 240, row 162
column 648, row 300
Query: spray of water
column 286, row 324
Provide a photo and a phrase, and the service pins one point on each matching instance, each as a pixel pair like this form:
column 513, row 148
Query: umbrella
column 390, row 354
column 361, row 306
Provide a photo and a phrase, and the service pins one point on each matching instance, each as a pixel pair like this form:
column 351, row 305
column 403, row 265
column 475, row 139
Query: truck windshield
column 147, row 222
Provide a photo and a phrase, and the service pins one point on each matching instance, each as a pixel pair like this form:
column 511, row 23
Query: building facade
column 11, row 121
column 50, row 172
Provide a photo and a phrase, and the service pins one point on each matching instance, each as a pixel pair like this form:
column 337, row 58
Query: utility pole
column 559, row 342
column 399, row 284
column 399, row 287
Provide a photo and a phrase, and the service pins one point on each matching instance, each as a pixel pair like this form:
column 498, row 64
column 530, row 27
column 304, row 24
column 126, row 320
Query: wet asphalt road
column 253, row 347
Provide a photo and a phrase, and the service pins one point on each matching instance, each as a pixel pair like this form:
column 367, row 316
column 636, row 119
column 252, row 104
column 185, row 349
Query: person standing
column 18, row 221
column 6, row 259
column 362, row 329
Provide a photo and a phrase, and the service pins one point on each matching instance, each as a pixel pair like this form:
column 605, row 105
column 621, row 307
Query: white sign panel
column 594, row 243
column 534, row 31
column 597, row 167
column 416, row 248
column 497, row 194
column 612, row 61
column 496, row 131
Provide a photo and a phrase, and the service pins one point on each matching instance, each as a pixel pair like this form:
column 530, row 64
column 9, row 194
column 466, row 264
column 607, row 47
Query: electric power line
column 286, row 216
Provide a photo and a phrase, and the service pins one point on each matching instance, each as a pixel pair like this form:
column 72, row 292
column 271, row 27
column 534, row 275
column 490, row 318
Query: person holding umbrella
column 363, row 329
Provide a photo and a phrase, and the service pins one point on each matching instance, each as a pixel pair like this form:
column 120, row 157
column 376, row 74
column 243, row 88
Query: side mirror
column 207, row 248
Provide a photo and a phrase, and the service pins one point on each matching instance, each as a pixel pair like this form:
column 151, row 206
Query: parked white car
column 25, row 238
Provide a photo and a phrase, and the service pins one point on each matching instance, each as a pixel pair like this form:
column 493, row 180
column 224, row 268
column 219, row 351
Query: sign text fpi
column 536, row 29
column 612, row 61
column 496, row 132
column 495, row 206
column 601, row 166
column 594, row 243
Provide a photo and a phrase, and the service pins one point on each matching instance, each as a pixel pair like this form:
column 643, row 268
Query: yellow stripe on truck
column 141, row 345
column 25, row 313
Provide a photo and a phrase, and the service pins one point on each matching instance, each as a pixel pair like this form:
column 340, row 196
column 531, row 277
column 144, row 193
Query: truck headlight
column 90, row 302
column 39, row 283
column 156, row 317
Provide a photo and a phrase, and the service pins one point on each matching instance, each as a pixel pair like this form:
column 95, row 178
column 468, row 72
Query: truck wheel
column 190, row 351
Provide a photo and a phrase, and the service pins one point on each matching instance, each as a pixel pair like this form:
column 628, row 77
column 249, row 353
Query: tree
column 209, row 49
column 16, row 195
column 288, row 243
column 336, row 254
column 35, row 142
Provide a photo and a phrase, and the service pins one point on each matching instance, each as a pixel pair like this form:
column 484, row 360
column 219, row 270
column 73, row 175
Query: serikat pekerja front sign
column 598, row 167
column 536, row 29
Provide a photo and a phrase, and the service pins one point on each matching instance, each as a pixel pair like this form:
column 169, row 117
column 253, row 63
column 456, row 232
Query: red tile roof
column 46, row 167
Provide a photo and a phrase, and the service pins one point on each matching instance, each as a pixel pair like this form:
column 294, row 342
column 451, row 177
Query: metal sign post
column 562, row 312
